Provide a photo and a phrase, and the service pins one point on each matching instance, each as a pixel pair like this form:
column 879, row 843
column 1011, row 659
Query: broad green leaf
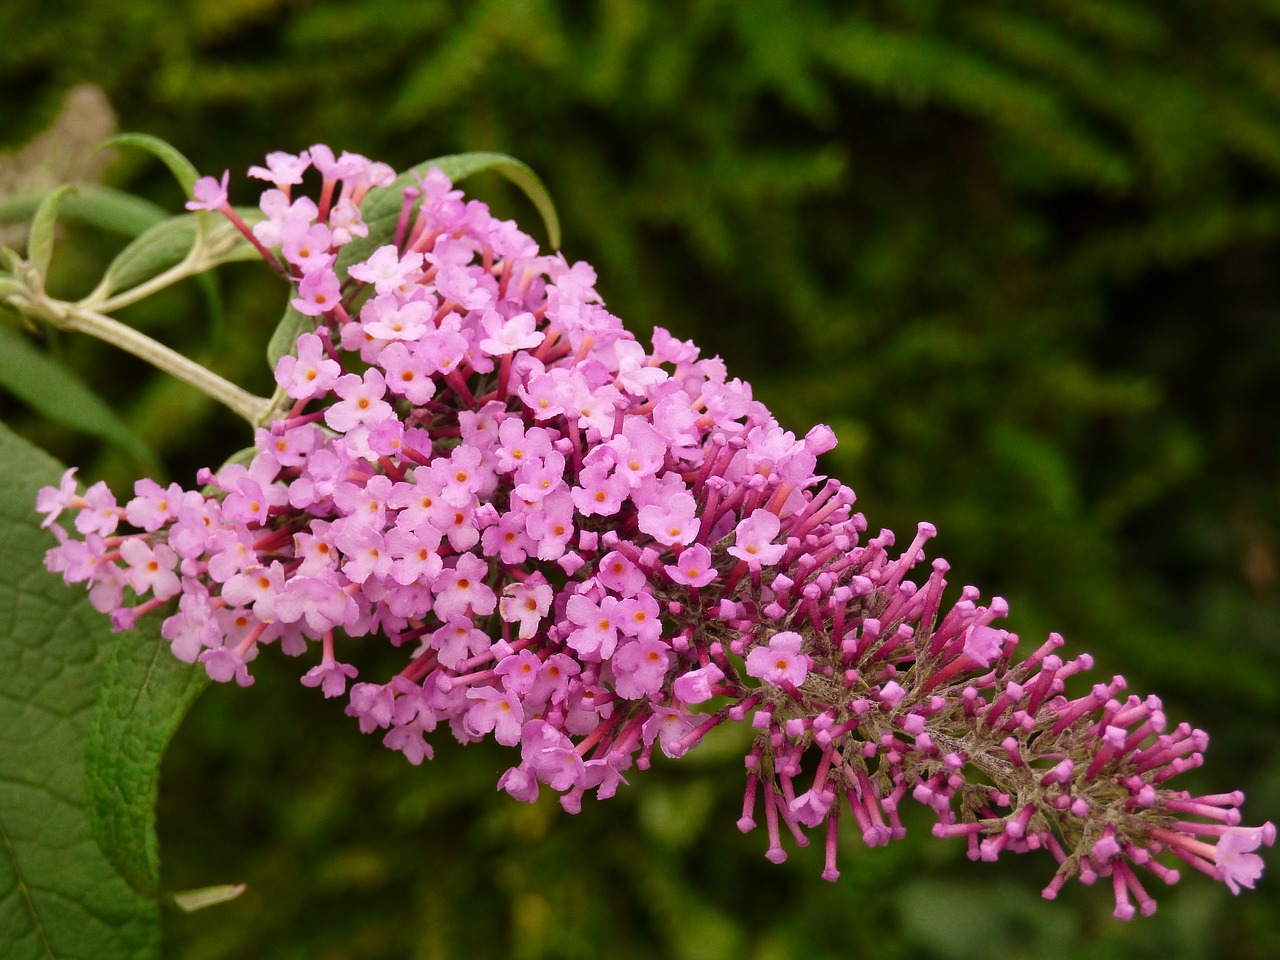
column 40, row 240
column 145, row 693
column 165, row 245
column 59, row 897
column 381, row 208
column 182, row 169
column 102, row 207
column 284, row 339
column 47, row 386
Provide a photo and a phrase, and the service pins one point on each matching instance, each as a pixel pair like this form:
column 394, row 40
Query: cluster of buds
column 588, row 549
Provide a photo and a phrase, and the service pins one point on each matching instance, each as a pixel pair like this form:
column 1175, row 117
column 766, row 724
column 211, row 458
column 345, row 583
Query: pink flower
column 461, row 589
column 526, row 604
column 283, row 169
column 639, row 668
column 307, row 246
column 695, row 686
column 673, row 521
column 225, row 665
column 309, row 372
column 1233, row 854
column 209, row 193
column 318, row 293
column 385, row 318
column 780, row 661
column 153, row 505
column 754, row 539
column 51, row 501
column 498, row 711
column 330, row 676
column 150, row 568
column 387, row 269
column 361, row 403
column 100, row 514
column 572, row 540
column 694, row 568
column 982, row 644
column 508, row 336
column 596, row 634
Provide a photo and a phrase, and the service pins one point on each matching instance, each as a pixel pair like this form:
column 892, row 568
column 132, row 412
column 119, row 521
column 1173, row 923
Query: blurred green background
column 1022, row 256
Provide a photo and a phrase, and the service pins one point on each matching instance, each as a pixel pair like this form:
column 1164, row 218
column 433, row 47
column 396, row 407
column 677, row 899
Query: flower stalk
column 591, row 550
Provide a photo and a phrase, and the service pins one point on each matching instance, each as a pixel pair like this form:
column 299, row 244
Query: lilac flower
column 53, row 500
column 780, row 663
column 330, row 676
column 1234, row 856
column 574, row 540
column 318, row 293
column 209, row 193
column 388, row 270
column 283, row 169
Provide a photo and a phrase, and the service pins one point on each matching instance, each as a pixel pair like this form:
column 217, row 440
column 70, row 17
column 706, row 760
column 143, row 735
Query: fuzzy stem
column 67, row 316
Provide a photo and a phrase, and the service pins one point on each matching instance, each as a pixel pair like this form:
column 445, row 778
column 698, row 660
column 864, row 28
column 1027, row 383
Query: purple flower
column 330, row 676
column 283, row 169
column 1234, row 856
column 573, row 540
column 51, row 501
column 780, row 662
column 209, row 193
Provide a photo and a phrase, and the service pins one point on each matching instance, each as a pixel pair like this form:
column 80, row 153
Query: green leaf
column 102, row 207
column 58, row 393
column 40, row 240
column 145, row 693
column 165, row 245
column 9, row 285
column 459, row 166
column 59, row 897
column 182, row 169
column 190, row 901
column 284, row 339
column 156, row 250
column 381, row 208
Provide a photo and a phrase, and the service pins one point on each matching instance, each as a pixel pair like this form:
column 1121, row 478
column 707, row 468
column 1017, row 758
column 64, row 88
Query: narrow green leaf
column 102, row 207
column 182, row 169
column 381, row 208
column 114, row 211
column 40, row 239
column 156, row 250
column 459, row 166
column 190, row 901
column 58, row 393
column 165, row 244
column 12, row 258
column 284, row 339
column 145, row 693
column 59, row 897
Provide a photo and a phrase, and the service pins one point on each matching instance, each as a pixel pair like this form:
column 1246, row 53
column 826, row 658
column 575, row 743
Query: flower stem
column 252, row 408
column 80, row 319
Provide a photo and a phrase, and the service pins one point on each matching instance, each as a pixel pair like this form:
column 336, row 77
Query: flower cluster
column 588, row 549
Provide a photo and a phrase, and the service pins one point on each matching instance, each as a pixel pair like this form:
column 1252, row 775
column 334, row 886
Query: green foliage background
column 1020, row 255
